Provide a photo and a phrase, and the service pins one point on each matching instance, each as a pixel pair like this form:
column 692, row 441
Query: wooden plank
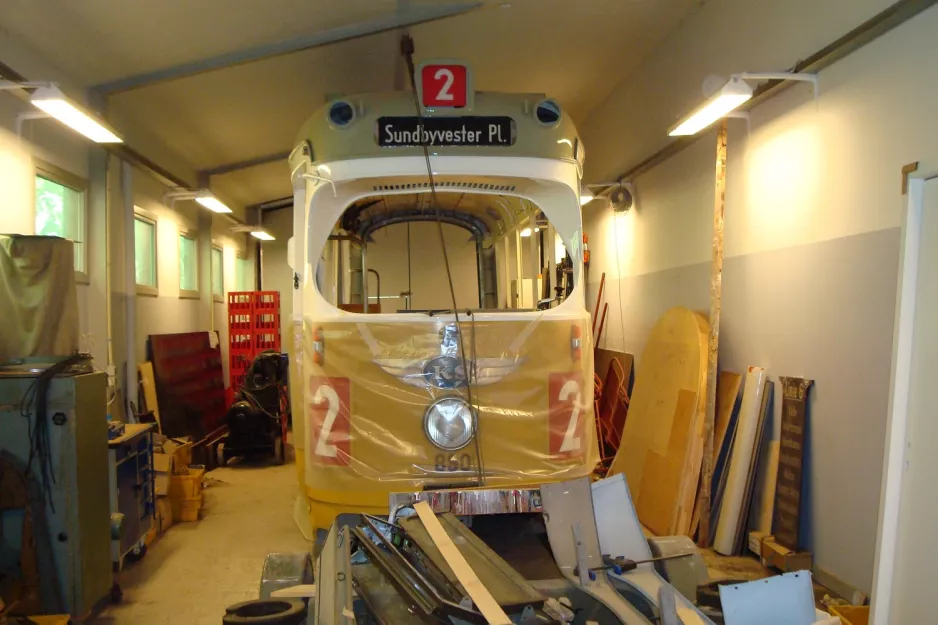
column 791, row 457
column 738, row 469
column 131, row 430
column 688, row 493
column 599, row 299
column 148, row 382
column 479, row 594
column 663, row 474
column 301, row 591
column 713, row 343
column 674, row 358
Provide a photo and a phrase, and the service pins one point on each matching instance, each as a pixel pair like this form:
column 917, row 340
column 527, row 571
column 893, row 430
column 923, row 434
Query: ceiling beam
column 396, row 21
column 228, row 168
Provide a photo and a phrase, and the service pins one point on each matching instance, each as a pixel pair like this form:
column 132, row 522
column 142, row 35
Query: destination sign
column 446, row 131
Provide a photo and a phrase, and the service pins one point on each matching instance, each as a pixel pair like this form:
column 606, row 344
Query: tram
column 441, row 341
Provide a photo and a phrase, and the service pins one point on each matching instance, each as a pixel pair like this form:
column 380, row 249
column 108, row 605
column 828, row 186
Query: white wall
column 167, row 312
column 812, row 239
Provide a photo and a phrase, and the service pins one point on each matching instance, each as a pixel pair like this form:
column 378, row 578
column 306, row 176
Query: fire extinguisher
column 586, row 250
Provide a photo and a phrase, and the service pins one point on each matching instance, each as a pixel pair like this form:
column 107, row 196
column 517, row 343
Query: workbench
column 130, row 462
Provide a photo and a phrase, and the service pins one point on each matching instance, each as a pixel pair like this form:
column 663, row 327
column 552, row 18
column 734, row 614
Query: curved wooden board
column 674, row 358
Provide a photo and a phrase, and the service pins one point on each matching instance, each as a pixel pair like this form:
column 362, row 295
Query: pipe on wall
column 130, row 284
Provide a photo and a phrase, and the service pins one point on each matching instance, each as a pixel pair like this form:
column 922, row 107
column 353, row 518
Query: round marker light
column 547, row 113
column 448, row 424
column 341, row 113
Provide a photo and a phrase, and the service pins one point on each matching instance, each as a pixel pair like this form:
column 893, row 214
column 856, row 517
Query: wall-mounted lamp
column 48, row 98
column 729, row 97
column 203, row 196
column 525, row 233
column 262, row 235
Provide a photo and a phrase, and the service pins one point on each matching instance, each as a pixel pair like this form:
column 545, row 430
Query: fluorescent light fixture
column 263, row 235
column 525, row 233
column 52, row 101
column 212, row 203
column 728, row 98
column 586, row 198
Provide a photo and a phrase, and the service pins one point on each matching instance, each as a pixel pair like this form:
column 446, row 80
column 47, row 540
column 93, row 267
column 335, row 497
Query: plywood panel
column 674, row 359
column 663, row 474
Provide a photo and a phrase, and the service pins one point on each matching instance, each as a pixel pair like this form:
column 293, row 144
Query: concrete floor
column 196, row 569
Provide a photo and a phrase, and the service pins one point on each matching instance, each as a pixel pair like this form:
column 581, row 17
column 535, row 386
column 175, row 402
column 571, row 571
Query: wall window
column 145, row 255
column 61, row 210
column 188, row 266
column 243, row 280
column 218, row 273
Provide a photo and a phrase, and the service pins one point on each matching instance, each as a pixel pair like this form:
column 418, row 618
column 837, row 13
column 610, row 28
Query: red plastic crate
column 240, row 340
column 253, row 327
column 268, row 340
column 266, row 302
column 240, row 301
column 240, row 320
column 239, row 360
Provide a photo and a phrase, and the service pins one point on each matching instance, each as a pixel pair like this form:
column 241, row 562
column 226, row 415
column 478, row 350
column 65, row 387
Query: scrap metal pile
column 426, row 568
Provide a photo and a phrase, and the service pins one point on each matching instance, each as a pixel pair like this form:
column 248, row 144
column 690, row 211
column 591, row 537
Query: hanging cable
column 40, row 445
column 407, row 50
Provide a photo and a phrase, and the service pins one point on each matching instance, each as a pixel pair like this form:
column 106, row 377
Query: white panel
column 911, row 600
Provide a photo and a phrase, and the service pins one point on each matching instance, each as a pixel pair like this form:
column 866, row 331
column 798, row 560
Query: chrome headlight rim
column 472, row 422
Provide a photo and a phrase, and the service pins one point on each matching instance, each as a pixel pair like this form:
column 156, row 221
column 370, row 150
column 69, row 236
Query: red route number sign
column 444, row 85
column 567, row 418
column 330, row 424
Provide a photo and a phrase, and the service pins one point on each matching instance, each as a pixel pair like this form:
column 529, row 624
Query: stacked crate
column 253, row 327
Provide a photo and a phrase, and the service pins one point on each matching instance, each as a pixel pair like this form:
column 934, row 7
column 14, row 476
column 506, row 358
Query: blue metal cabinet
column 132, row 489
column 72, row 533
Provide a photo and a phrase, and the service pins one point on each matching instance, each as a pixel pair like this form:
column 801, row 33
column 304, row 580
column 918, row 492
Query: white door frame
column 897, row 421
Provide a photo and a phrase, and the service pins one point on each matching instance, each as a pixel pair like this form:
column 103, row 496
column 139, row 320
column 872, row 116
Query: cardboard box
column 755, row 541
column 181, row 451
column 186, row 482
column 164, row 513
column 779, row 557
column 186, row 510
column 162, row 471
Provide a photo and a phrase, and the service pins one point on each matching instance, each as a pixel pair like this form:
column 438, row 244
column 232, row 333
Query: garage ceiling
column 576, row 51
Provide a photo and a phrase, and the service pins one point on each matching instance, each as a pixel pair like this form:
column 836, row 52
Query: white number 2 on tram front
column 446, row 75
column 571, row 442
column 323, row 446
column 565, row 421
column 329, row 424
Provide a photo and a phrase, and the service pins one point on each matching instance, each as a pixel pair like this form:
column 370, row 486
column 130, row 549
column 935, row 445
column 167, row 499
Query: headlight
column 448, row 424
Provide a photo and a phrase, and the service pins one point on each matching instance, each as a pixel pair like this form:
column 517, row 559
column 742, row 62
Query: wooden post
column 716, row 295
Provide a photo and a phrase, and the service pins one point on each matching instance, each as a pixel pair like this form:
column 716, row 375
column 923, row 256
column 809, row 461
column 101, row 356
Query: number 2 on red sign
column 444, row 85
column 565, row 415
column 330, row 423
